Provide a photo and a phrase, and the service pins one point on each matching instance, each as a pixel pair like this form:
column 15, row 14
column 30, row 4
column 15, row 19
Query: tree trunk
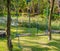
column 9, row 43
column 49, row 21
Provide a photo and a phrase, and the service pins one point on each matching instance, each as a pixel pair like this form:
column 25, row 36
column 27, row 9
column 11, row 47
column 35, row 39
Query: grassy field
column 32, row 43
column 36, row 43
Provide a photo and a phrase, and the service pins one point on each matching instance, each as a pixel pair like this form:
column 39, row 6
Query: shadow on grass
column 3, row 38
column 56, row 44
column 36, row 48
column 34, row 42
column 31, row 48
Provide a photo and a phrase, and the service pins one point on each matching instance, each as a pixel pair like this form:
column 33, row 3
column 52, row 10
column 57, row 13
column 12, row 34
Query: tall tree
column 9, row 43
column 49, row 21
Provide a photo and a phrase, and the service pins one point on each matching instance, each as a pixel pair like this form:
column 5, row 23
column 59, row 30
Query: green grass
column 37, row 43
column 32, row 43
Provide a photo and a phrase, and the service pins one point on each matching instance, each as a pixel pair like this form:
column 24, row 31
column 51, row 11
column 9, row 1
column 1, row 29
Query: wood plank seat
column 22, row 35
column 43, row 34
column 55, row 31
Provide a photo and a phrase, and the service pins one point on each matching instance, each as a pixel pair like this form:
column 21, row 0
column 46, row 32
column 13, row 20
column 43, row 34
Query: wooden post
column 49, row 21
column 9, row 43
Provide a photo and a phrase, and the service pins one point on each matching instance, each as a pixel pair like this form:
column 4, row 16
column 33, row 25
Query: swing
column 18, row 35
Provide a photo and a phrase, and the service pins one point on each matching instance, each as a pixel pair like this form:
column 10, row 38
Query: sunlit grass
column 3, row 45
column 37, row 43
column 32, row 43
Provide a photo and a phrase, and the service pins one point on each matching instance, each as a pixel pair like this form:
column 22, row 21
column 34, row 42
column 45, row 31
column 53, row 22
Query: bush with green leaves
column 33, row 25
column 55, row 16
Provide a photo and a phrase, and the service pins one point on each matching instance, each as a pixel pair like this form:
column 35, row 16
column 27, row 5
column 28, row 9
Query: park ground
column 36, row 43
column 32, row 43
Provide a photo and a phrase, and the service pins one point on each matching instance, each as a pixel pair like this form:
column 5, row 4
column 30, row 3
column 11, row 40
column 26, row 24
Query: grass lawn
column 36, row 43
column 32, row 43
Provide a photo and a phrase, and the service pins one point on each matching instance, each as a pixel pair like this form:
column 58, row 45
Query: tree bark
column 9, row 43
column 49, row 21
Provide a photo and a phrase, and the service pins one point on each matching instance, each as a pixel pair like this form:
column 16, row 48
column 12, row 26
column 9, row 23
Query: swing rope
column 59, row 11
column 17, row 34
column 47, row 14
column 28, row 11
column 37, row 18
